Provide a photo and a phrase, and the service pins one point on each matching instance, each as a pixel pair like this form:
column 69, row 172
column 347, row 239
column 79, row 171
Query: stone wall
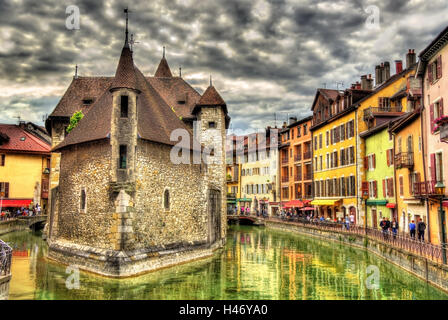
column 85, row 166
column 216, row 164
column 421, row 267
column 186, row 219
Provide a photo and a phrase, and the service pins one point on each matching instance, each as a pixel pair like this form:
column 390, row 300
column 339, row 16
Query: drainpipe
column 423, row 135
column 357, row 171
column 396, row 182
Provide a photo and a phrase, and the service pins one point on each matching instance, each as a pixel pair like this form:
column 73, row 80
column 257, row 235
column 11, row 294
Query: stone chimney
column 411, row 58
column 369, row 82
column 378, row 75
column 284, row 124
column 386, row 71
column 398, row 66
column 364, row 82
column 292, row 120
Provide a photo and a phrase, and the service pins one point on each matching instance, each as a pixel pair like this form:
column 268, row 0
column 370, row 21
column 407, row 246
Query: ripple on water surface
column 257, row 263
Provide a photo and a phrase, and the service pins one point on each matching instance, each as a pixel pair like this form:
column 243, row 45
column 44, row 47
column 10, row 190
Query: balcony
column 308, row 176
column 230, row 178
column 372, row 112
column 424, row 189
column 231, row 195
column 285, row 179
column 298, row 177
column 404, row 160
column 285, row 161
column 297, row 157
column 307, row 155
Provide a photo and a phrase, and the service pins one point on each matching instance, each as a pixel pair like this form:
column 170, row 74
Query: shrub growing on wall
column 75, row 118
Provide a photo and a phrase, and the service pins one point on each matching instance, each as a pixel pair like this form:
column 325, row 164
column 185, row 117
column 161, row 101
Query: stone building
column 140, row 181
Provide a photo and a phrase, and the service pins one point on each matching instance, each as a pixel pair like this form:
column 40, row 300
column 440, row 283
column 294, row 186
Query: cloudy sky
column 267, row 57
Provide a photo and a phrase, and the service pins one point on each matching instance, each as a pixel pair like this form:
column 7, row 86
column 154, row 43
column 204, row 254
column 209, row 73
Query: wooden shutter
column 388, row 157
column 441, row 107
column 380, row 102
column 384, row 188
column 374, row 161
column 391, row 187
column 375, row 189
column 401, row 185
column 6, row 189
column 366, row 162
column 439, row 67
column 433, row 167
column 431, row 115
column 430, row 73
column 410, row 183
column 365, row 188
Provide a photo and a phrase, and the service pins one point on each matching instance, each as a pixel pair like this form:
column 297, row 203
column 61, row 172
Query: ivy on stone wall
column 75, row 118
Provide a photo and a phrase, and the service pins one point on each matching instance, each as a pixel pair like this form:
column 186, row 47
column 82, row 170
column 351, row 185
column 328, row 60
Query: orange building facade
column 296, row 170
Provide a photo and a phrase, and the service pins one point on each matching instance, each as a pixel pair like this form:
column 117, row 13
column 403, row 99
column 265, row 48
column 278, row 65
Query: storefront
column 329, row 208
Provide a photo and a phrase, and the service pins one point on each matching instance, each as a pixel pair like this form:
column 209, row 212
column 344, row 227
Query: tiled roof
column 22, row 141
column 174, row 90
column 163, row 70
column 125, row 75
column 80, row 88
column 156, row 117
column 211, row 97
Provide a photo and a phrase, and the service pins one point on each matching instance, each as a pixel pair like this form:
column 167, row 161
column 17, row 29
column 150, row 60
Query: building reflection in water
column 255, row 264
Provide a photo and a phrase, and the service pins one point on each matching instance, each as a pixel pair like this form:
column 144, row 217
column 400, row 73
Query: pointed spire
column 211, row 97
column 76, row 71
column 126, row 43
column 163, row 70
column 125, row 74
column 180, row 72
column 211, row 81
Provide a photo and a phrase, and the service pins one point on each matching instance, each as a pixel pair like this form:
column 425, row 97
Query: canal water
column 257, row 263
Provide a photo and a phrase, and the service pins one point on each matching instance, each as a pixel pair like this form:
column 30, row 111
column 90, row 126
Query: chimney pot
column 398, row 66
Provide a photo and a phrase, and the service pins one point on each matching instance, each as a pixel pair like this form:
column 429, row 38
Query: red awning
column 391, row 205
column 293, row 204
column 15, row 203
column 445, row 203
column 307, row 209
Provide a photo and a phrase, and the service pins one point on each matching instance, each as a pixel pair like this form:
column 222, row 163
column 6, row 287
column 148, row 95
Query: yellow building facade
column 389, row 100
column 24, row 168
column 334, row 167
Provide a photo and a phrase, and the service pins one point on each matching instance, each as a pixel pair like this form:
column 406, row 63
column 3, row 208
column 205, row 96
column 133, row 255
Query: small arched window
column 83, row 200
column 166, row 199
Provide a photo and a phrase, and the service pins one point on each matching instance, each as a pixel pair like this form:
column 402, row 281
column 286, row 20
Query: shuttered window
column 4, row 189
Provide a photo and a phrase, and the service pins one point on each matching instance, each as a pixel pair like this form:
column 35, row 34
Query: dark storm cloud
column 266, row 56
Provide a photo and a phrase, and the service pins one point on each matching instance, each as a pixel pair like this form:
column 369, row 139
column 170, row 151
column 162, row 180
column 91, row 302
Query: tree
column 76, row 117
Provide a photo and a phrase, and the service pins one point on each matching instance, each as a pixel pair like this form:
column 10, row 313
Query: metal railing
column 5, row 258
column 297, row 157
column 285, row 179
column 404, row 160
column 297, row 177
column 425, row 188
column 307, row 155
column 421, row 248
column 285, row 160
column 371, row 111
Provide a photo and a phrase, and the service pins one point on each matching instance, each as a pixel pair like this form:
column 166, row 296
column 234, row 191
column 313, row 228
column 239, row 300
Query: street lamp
column 440, row 191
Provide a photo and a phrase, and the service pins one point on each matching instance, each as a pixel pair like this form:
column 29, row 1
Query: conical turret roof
column 125, row 75
column 163, row 70
column 211, row 97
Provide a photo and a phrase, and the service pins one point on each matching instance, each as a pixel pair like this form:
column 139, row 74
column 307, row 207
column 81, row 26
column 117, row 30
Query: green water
column 256, row 263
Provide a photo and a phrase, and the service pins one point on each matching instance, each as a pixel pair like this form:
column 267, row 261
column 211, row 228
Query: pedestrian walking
column 394, row 226
column 412, row 230
column 421, row 227
column 347, row 223
column 384, row 226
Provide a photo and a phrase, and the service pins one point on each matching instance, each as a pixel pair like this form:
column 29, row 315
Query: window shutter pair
column 433, row 167
column 430, row 77
column 375, row 189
